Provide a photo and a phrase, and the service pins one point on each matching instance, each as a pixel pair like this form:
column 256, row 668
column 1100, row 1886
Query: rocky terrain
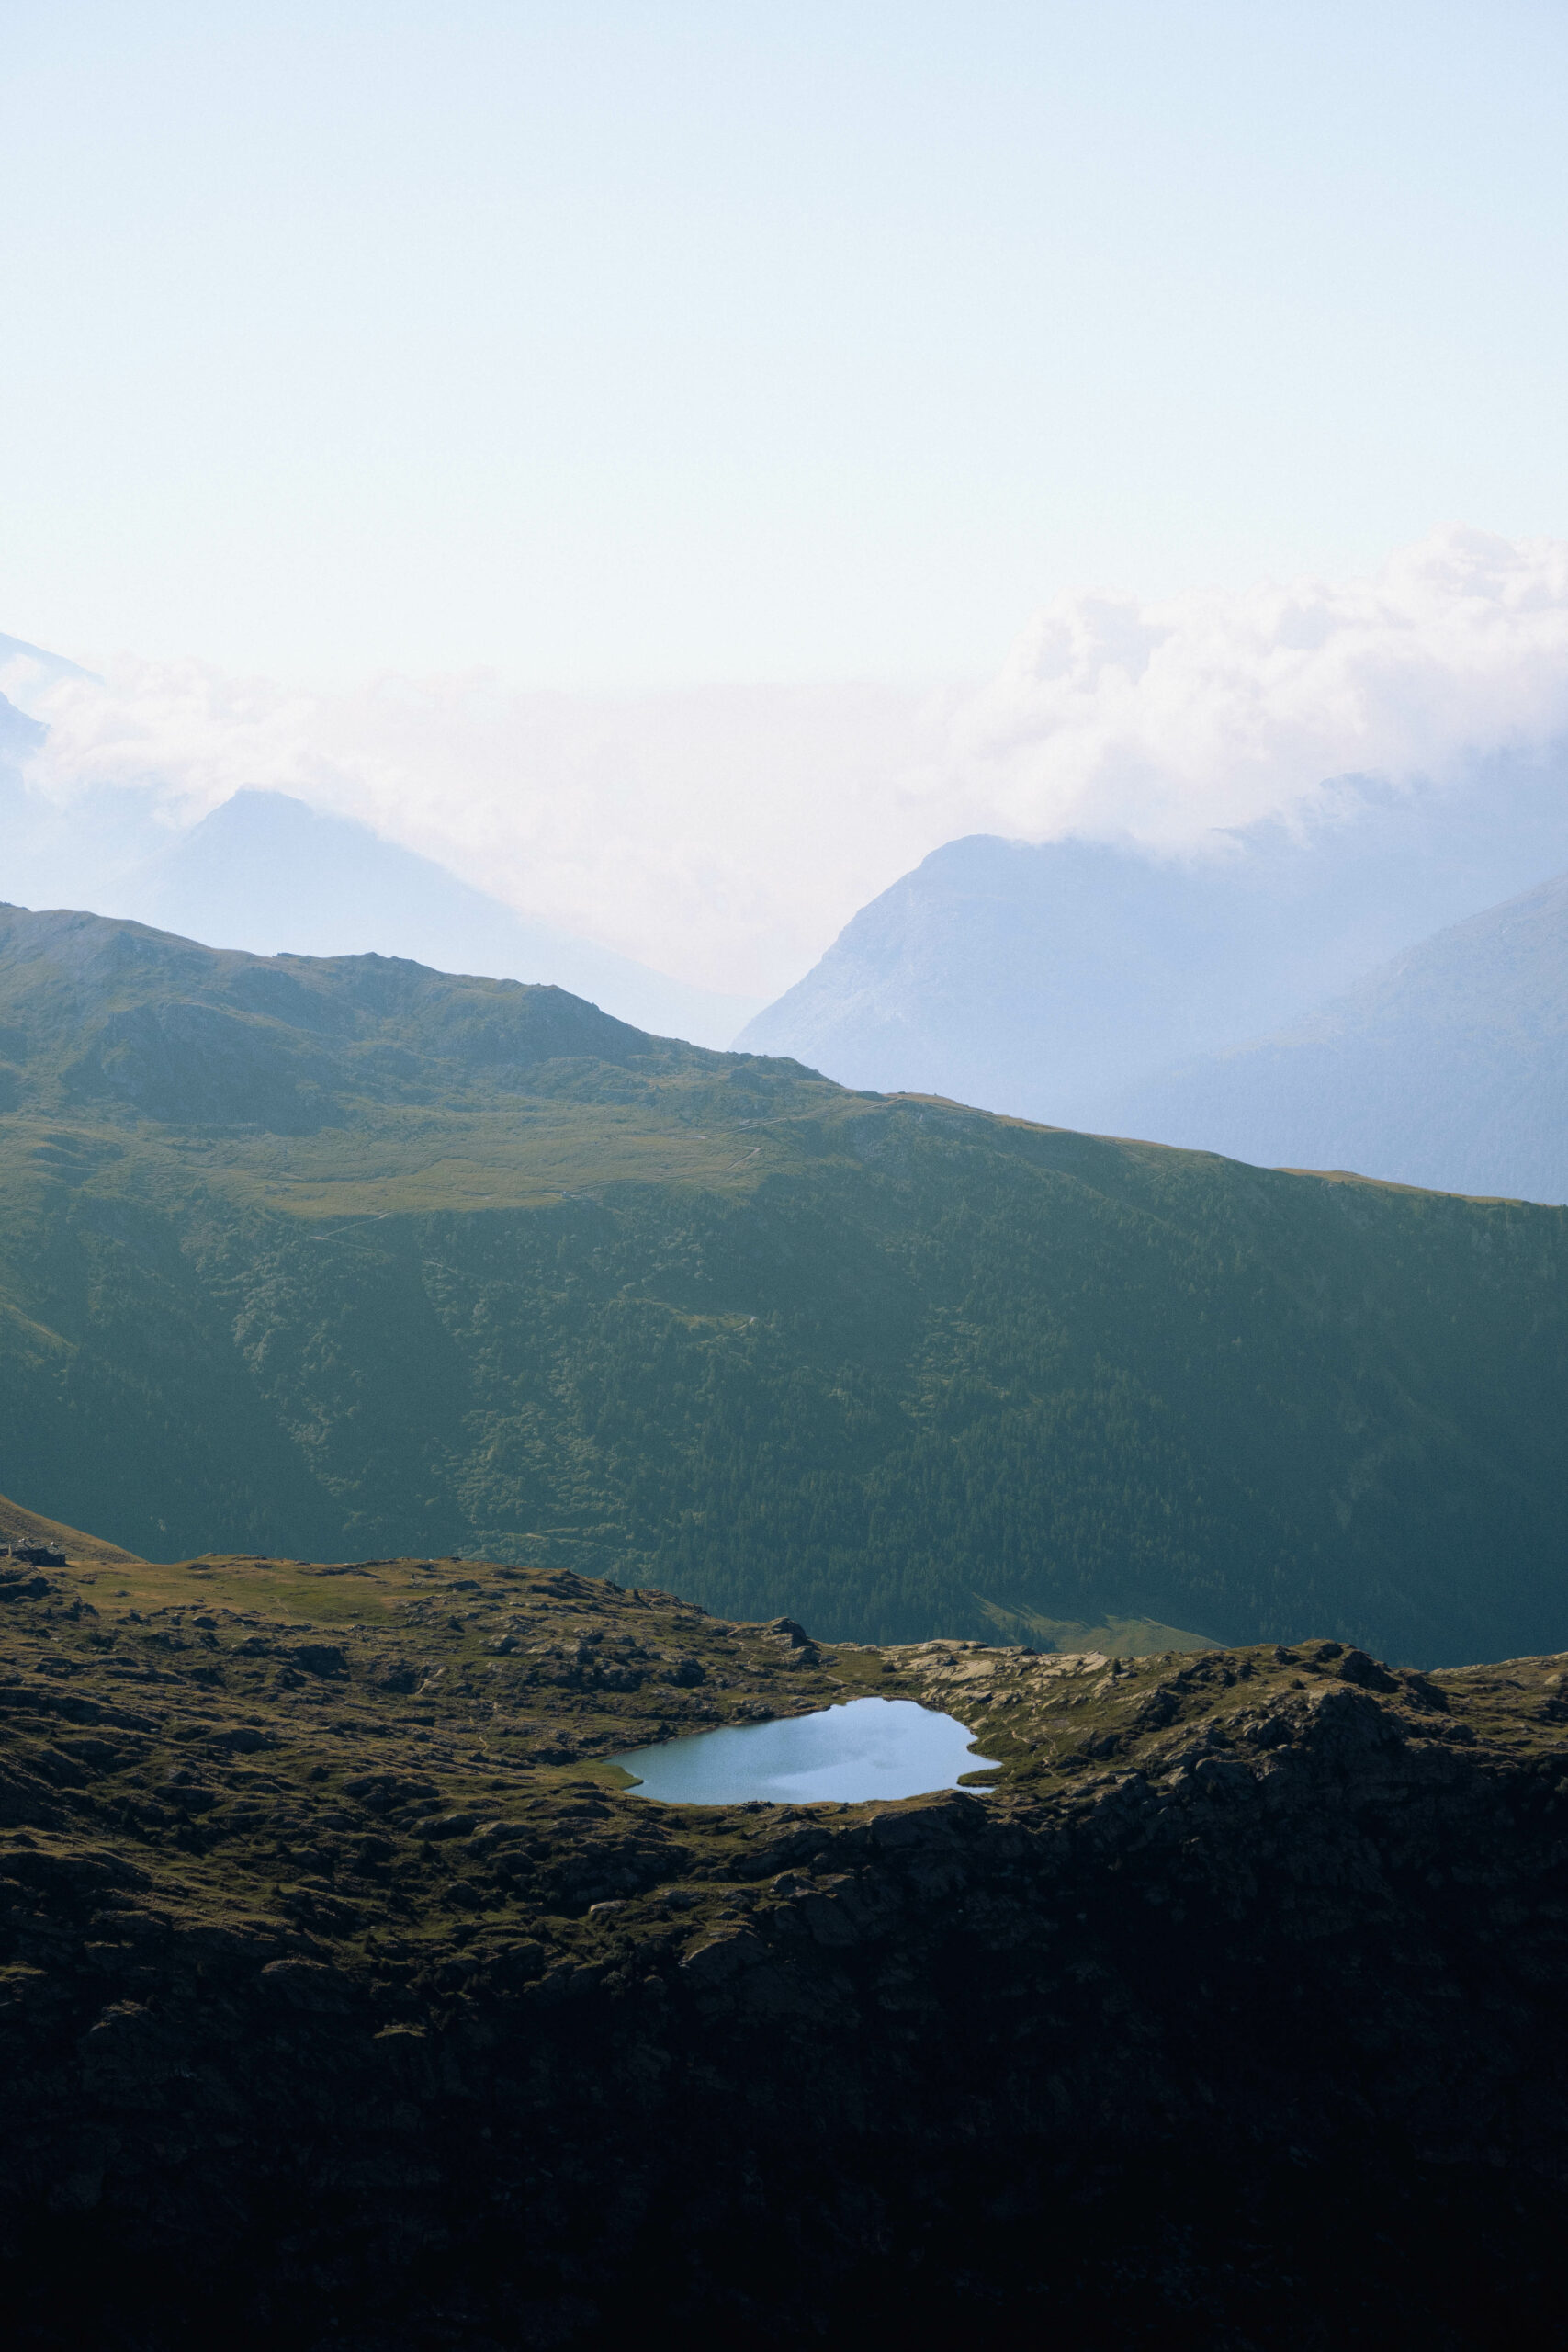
column 351, row 1999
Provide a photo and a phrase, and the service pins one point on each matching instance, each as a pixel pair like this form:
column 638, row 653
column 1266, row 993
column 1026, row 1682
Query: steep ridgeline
column 1041, row 980
column 264, row 871
column 348, row 1997
column 349, row 1257
column 1447, row 1067
column 1047, row 981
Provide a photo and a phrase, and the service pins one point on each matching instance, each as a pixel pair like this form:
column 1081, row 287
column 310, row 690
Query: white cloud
column 725, row 834
column 1159, row 721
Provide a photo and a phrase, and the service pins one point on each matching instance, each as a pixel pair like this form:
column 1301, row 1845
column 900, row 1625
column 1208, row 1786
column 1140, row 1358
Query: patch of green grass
column 1117, row 1637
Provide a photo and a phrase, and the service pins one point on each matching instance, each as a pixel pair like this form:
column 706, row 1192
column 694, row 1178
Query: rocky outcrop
column 343, row 2008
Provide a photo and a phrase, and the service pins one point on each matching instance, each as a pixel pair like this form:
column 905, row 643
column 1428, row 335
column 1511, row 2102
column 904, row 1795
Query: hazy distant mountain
column 1447, row 1067
column 266, row 873
column 1048, row 980
column 19, row 733
column 50, row 851
column 50, row 665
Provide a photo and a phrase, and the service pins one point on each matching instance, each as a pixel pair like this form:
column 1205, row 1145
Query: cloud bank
column 1157, row 722
column 724, row 835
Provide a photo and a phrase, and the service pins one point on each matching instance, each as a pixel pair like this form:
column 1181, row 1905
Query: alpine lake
column 861, row 1749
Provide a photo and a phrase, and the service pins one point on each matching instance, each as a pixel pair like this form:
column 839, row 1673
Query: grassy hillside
column 348, row 1259
column 19, row 1526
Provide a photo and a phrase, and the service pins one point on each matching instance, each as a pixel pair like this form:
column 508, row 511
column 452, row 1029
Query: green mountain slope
column 347, row 1258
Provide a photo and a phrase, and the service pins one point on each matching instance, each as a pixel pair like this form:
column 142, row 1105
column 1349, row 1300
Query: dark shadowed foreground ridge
column 349, row 2000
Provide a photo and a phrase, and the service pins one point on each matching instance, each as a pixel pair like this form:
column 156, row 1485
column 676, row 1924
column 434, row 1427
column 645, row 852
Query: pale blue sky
column 653, row 344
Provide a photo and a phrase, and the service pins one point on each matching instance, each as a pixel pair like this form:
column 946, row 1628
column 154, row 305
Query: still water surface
column 867, row 1747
